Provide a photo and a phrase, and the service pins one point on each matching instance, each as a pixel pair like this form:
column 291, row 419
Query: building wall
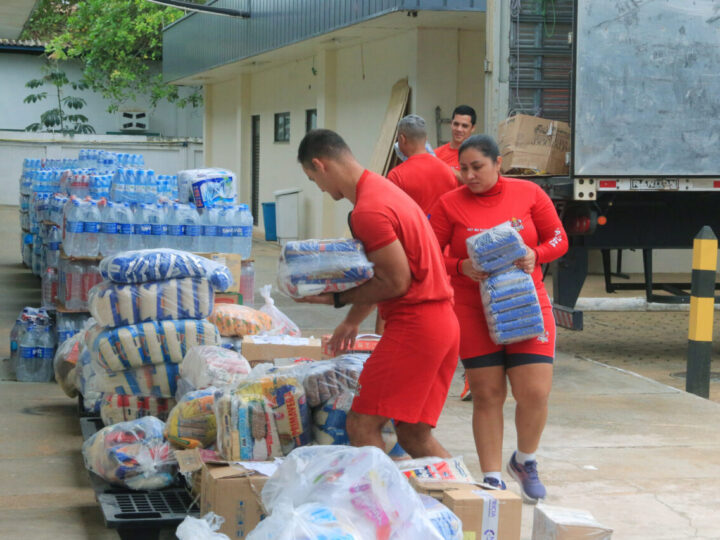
column 17, row 69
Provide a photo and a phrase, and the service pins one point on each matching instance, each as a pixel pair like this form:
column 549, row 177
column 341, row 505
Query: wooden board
column 382, row 154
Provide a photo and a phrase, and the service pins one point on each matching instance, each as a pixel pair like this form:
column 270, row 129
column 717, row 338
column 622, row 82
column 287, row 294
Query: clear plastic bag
column 361, row 484
column 443, row 519
column 65, row 364
column 204, row 528
column 311, row 267
column 306, row 522
column 236, row 320
column 131, row 454
column 213, row 366
column 207, row 187
column 154, row 342
column 115, row 408
column 155, row 380
column 191, row 423
column 436, row 468
column 114, row 304
column 496, row 248
column 282, row 325
column 159, row 264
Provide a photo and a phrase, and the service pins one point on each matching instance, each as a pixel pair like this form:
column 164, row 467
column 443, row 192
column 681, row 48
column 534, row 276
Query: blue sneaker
column 494, row 482
column 527, row 476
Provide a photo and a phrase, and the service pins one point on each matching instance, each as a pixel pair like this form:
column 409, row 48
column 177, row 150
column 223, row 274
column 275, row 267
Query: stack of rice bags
column 310, row 267
column 204, row 371
column 150, row 310
column 512, row 309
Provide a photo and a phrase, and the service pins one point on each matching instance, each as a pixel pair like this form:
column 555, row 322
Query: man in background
column 462, row 126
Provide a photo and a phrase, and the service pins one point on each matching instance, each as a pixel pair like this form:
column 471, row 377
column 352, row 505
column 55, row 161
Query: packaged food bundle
column 307, row 521
column 153, row 342
column 116, row 304
column 236, row 320
column 310, row 267
column 159, row 264
column 510, row 301
column 207, row 187
column 116, row 408
column 132, row 454
column 210, row 365
column 435, row 468
column 443, row 519
column 156, row 380
column 329, row 423
column 361, row 485
column 65, row 364
column 265, row 417
column 191, row 423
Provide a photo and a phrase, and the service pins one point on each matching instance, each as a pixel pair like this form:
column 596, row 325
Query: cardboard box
column 365, row 343
column 533, row 145
column 485, row 513
column 234, row 263
column 228, row 298
column 558, row 523
column 268, row 348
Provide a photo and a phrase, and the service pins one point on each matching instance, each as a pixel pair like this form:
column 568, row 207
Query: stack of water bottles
column 509, row 298
column 32, row 346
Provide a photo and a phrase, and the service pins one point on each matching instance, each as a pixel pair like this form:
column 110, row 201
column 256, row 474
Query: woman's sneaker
column 494, row 482
column 465, row 395
column 527, row 476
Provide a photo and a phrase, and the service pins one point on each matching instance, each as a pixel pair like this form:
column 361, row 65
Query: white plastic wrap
column 159, row 264
column 311, row 267
column 236, row 320
column 306, row 522
column 65, row 364
column 155, row 380
column 282, row 325
column 436, row 468
column 191, row 423
column 443, row 519
column 154, row 342
column 361, row 485
column 116, row 408
column 131, row 454
column 210, row 365
column 114, row 304
column 207, row 187
column 509, row 297
column 266, row 417
column 204, row 528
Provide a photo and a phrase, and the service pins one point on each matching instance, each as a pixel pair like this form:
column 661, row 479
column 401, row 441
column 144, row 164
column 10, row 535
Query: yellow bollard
column 702, row 307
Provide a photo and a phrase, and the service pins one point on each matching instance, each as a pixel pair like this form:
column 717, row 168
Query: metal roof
column 198, row 42
column 27, row 46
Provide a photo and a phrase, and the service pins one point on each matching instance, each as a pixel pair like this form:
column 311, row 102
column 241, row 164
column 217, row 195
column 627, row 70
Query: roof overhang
column 13, row 16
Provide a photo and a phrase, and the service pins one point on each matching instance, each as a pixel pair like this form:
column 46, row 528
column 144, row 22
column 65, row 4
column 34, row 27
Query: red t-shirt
column 460, row 214
column 425, row 178
column 384, row 213
column 448, row 155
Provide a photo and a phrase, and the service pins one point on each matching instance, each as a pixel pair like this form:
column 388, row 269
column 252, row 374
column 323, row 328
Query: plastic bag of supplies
column 236, row 320
column 211, row 365
column 281, row 323
column 191, row 423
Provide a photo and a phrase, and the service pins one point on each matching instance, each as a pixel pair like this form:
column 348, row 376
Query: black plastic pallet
column 138, row 515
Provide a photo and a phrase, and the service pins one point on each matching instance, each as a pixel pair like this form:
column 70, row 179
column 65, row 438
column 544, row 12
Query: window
column 282, row 127
column 310, row 119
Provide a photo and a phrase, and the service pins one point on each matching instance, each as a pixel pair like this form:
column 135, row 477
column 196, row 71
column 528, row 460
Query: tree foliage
column 120, row 43
column 57, row 119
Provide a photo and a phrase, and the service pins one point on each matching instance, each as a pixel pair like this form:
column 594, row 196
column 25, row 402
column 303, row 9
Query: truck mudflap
column 569, row 318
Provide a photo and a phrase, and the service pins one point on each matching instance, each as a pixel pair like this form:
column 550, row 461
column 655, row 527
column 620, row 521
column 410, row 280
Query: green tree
column 57, row 119
column 120, row 43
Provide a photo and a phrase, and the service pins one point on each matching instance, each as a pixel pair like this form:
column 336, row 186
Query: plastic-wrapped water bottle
column 226, row 218
column 117, row 190
column 158, row 229
column 174, row 238
column 108, row 229
column 192, row 228
column 73, row 228
column 246, row 223
column 49, row 288
column 90, row 240
column 139, row 186
column 125, row 227
column 209, row 222
column 141, row 228
column 52, row 257
column 150, row 193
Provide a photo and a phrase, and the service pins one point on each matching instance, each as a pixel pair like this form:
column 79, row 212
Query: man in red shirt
column 462, row 126
column 408, row 375
column 422, row 176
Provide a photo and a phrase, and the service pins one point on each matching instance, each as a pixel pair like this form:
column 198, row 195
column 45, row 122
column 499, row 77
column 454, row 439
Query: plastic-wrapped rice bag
column 160, row 264
column 191, row 423
column 235, row 320
column 115, row 304
column 131, row 454
column 496, row 248
column 156, row 380
column 115, row 408
column 311, row 267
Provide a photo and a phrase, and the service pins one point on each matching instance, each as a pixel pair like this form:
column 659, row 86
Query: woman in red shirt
column 485, row 200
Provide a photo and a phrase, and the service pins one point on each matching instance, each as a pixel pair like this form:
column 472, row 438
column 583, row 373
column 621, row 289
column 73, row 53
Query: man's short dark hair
column 466, row 110
column 320, row 143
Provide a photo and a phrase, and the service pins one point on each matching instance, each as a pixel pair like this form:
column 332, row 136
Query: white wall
column 164, row 156
column 17, row 69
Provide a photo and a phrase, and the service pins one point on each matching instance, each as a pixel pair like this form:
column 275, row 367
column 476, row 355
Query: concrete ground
column 637, row 453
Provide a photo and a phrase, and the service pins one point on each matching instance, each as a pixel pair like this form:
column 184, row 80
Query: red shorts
column 477, row 349
column 408, row 375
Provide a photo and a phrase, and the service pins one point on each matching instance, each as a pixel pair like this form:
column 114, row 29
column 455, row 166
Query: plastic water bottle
column 73, row 227
column 246, row 223
column 125, row 227
column 26, row 357
column 226, row 221
column 192, row 228
column 108, row 229
column 150, row 192
column 142, row 228
column 52, row 257
column 174, row 238
column 158, row 229
column 49, row 288
column 209, row 220
column 90, row 240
